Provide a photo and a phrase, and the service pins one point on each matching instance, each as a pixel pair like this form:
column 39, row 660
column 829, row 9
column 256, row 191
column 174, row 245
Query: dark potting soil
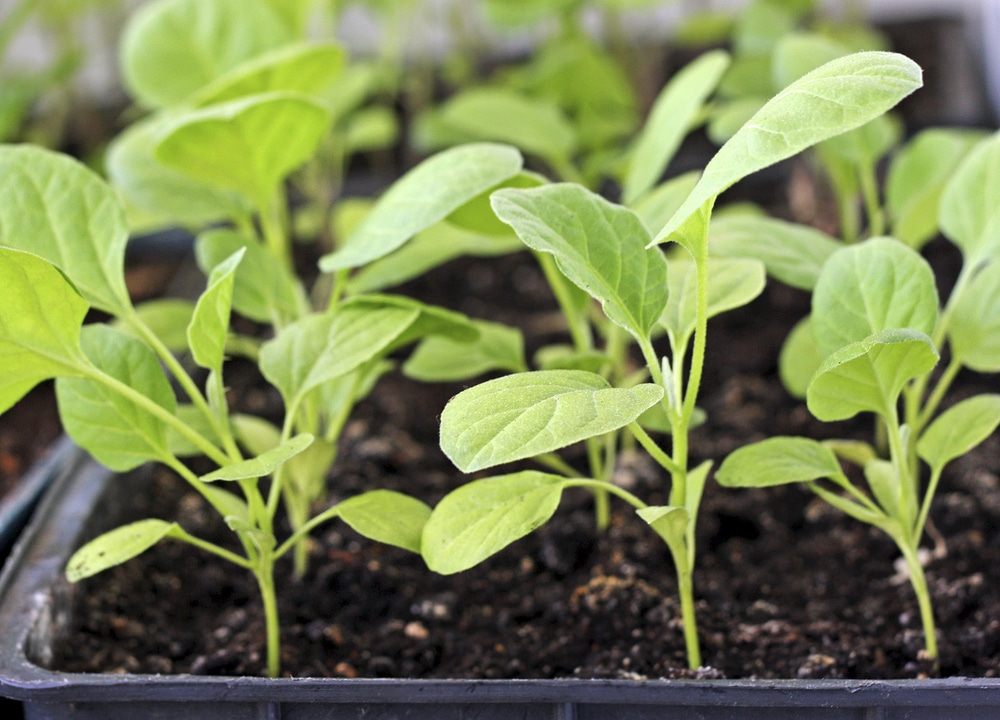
column 786, row 586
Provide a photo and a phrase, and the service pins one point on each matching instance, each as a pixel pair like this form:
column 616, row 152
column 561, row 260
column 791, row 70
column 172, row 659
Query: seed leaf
column 778, row 461
column 519, row 416
column 868, row 375
column 422, row 197
column 58, row 209
column 484, row 516
column 876, row 285
column 116, row 547
column 671, row 524
column 970, row 205
column 839, row 96
column 599, row 246
column 388, row 517
column 264, row 464
column 210, row 322
column 959, row 429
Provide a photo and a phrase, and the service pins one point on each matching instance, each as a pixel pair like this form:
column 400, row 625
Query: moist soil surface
column 787, row 587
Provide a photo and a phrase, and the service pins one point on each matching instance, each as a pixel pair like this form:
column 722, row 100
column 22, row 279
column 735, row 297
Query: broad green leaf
column 778, row 461
column 264, row 464
column 799, row 359
column 732, row 283
column 567, row 357
column 116, row 547
column 388, row 517
column 195, row 419
column 792, row 253
column 247, row 145
column 428, row 249
column 167, row 318
column 477, row 215
column 959, row 429
column 441, row 359
column 302, row 68
column 56, row 208
column 484, row 516
column 172, row 48
column 876, row 285
column 117, row 431
column 974, row 330
column 535, row 126
column 432, row 320
column 916, row 180
column 520, row 416
column 839, row 96
column 671, row 118
column 748, row 76
column 671, row 524
column 970, row 205
column 40, row 321
column 228, row 504
column 868, row 375
column 323, row 346
column 884, row 483
column 263, row 290
column 422, row 197
column 210, row 322
column 167, row 196
column 656, row 206
column 799, row 53
column 599, row 246
column 855, row 451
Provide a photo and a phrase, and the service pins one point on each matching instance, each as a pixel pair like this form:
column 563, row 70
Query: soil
column 787, row 587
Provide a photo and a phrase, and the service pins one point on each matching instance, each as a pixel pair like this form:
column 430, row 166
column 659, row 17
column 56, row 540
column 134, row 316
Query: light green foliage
column 969, row 211
column 959, row 429
column 439, row 358
column 599, row 246
column 172, row 48
column 659, row 204
column 167, row 318
column 116, row 547
column 264, row 464
column 386, row 516
column 974, row 331
column 520, row 416
column 778, row 461
column 422, row 197
column 210, row 322
column 799, row 359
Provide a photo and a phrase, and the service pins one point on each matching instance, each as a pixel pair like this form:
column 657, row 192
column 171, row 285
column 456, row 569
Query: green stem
column 265, row 581
column 925, row 506
column 306, row 528
column 685, row 587
column 181, row 534
column 613, row 489
column 919, row 582
column 579, row 330
column 275, row 235
column 602, row 510
column 869, row 191
column 907, row 478
column 700, row 336
column 555, row 462
column 654, row 450
column 936, row 396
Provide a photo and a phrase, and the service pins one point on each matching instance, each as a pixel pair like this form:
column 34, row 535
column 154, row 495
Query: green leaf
column 443, row 359
column 167, row 318
column 792, row 253
column 778, row 461
column 727, row 118
column 388, row 517
column 520, row 416
column 917, row 178
column 866, row 144
column 799, row 53
column 799, row 359
column 974, row 330
column 656, row 206
column 671, row 118
column 172, row 48
column 484, row 516
column 432, row 320
column 255, row 434
column 477, row 215
column 884, row 483
column 671, row 524
column 970, row 205
column 305, row 68
column 959, row 429
column 422, row 197
column 40, row 321
column 117, row 431
column 263, row 290
column 116, row 547
column 732, row 283
column 323, row 346
column 876, row 285
column 599, row 246
column 839, row 96
column 868, row 375
column 370, row 128
column 195, row 419
column 264, row 464
column 567, row 357
column 56, row 208
column 247, row 145
column 210, row 322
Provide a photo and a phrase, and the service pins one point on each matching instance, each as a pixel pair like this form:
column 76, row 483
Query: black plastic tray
column 35, row 600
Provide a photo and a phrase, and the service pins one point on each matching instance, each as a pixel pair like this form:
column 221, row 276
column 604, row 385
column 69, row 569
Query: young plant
column 605, row 251
column 877, row 334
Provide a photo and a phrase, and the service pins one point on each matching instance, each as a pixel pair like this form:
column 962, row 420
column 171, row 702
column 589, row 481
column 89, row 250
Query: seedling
column 605, row 251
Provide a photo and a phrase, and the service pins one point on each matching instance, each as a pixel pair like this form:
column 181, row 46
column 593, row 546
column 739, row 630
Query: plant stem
column 653, row 449
column 265, row 581
column 579, row 330
column 919, row 582
column 275, row 236
column 685, row 588
column 869, row 191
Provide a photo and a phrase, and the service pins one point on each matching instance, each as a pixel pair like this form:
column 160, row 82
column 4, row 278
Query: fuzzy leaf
column 970, row 205
column 839, row 96
column 959, row 429
column 119, row 433
column 388, row 517
column 519, row 416
column 442, row 359
column 264, row 464
column 58, row 209
column 974, row 331
column 799, row 359
column 873, row 286
column 868, row 375
column 40, row 321
column 778, row 461
column 477, row 215
column 599, row 246
column 116, row 547
column 484, row 516
column 210, row 322
column 671, row 118
column 422, row 197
